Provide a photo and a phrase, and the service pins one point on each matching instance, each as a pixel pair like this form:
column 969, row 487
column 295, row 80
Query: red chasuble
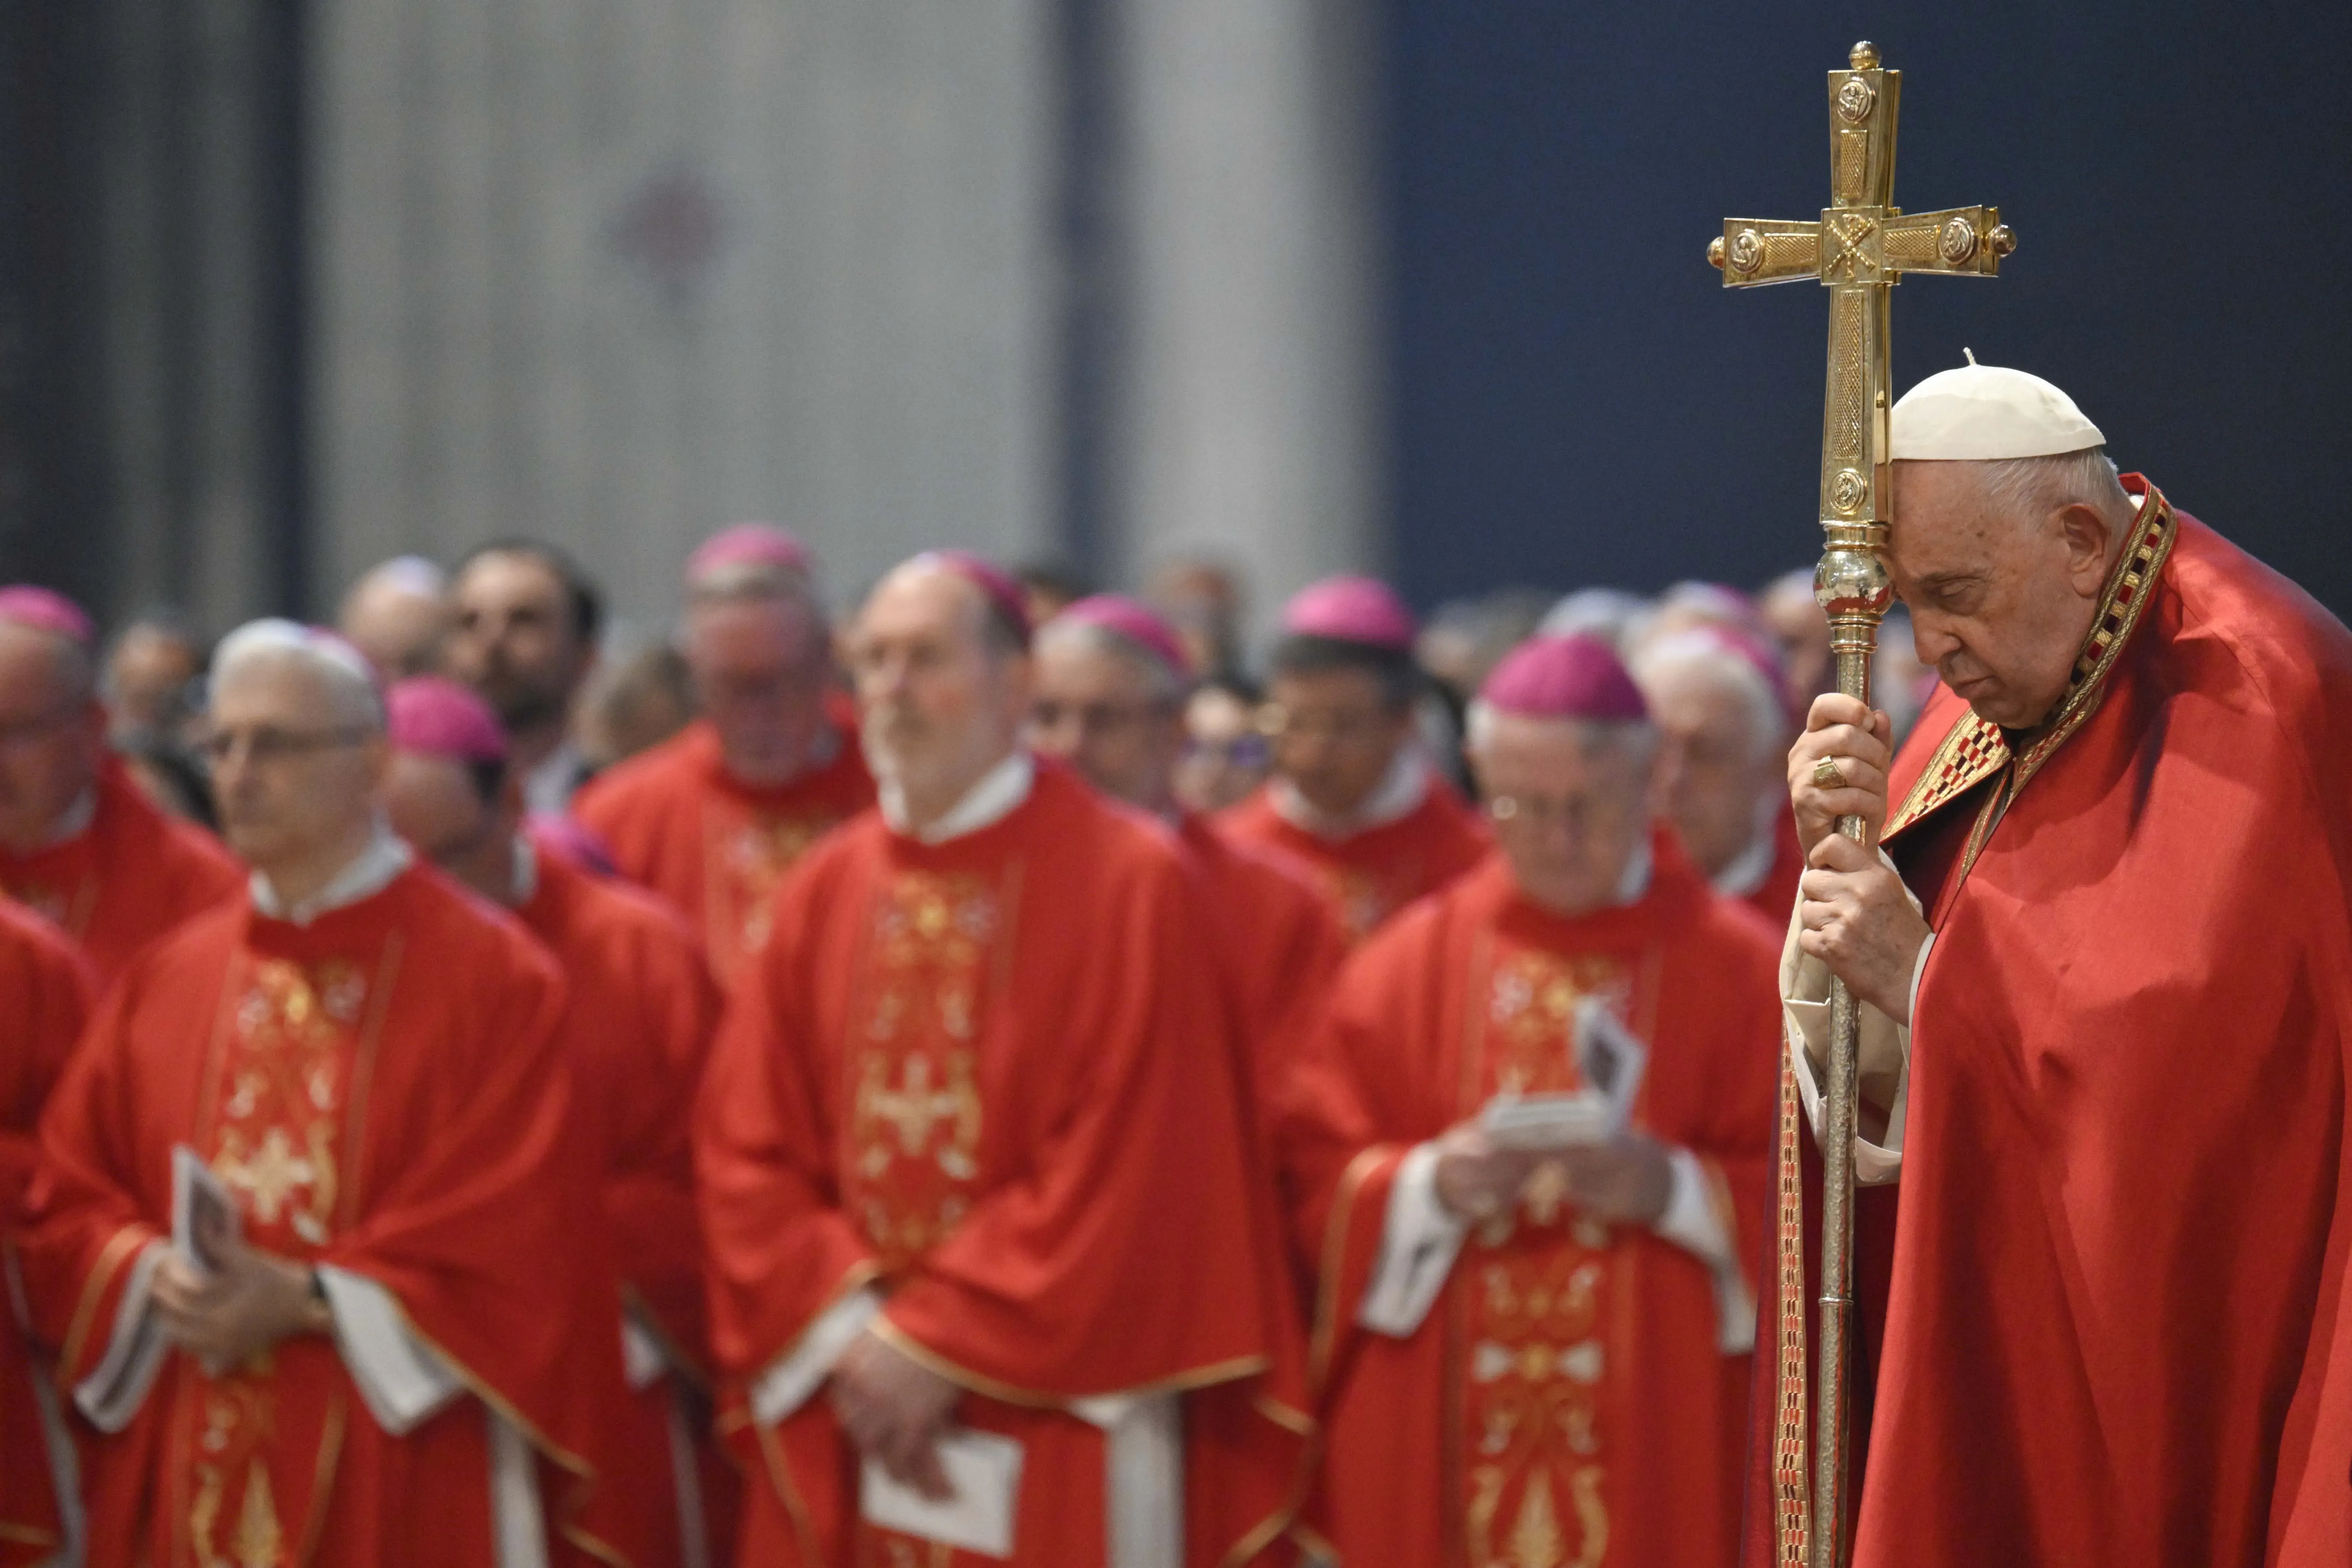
column 637, row 1018
column 132, row 876
column 1565, row 1400
column 382, row 1090
column 1367, row 877
column 972, row 1073
column 678, row 822
column 45, row 993
column 1775, row 897
column 2108, row 1322
column 1279, row 940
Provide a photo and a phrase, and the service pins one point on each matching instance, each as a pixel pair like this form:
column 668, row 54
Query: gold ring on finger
column 1827, row 774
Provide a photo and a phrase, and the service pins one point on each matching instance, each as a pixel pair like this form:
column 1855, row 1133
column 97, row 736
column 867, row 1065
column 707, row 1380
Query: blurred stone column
column 619, row 273
column 1249, row 400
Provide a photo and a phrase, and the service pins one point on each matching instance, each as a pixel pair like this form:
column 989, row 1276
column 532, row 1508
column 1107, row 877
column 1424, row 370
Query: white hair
column 1700, row 651
column 2031, row 489
column 349, row 679
column 1166, row 690
column 1592, row 735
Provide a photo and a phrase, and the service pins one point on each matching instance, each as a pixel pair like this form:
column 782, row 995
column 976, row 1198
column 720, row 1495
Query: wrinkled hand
column 1863, row 743
column 894, row 1408
column 1474, row 1180
column 1627, row 1181
column 1859, row 921
column 253, row 1301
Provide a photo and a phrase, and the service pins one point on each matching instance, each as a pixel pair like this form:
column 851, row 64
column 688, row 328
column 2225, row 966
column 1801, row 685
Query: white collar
column 369, row 872
column 1746, row 871
column 525, row 880
column 997, row 794
column 1400, row 792
column 75, row 820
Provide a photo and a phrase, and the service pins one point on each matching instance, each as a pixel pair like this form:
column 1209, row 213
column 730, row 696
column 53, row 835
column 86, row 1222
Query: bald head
column 399, row 614
column 52, row 731
column 941, row 695
column 2002, row 564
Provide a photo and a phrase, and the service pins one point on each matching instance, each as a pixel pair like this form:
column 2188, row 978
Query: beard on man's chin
column 520, row 708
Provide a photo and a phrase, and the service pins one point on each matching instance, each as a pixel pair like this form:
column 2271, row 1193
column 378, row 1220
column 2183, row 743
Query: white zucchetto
column 1982, row 413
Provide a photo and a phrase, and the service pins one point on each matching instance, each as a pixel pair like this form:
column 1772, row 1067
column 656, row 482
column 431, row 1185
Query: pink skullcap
column 1564, row 678
column 1004, row 589
column 433, row 717
column 750, row 544
column 47, row 610
column 1135, row 621
column 1352, row 609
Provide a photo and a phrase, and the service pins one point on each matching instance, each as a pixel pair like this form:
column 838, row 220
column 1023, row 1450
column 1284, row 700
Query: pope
column 2098, row 928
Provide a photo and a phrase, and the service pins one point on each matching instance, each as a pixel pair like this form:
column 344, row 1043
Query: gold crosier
column 1858, row 249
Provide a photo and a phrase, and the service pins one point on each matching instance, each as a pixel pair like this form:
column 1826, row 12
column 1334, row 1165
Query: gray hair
column 1637, row 735
column 2031, row 489
column 1612, row 614
column 1163, row 686
column 349, row 679
column 1703, row 651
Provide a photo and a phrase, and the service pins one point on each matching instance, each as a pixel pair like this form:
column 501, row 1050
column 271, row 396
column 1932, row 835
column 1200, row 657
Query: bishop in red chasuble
column 45, row 995
column 79, row 842
column 374, row 1363
column 1540, row 1356
column 638, row 1014
column 713, row 817
column 2102, row 1266
column 1354, row 797
column 972, row 1165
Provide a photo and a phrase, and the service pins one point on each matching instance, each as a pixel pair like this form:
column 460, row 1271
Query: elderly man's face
column 1335, row 735
column 1569, row 803
column 1714, row 767
column 936, row 705
column 1999, row 606
column 760, row 667
column 515, row 641
column 1225, row 756
column 52, row 733
column 294, row 774
column 1102, row 714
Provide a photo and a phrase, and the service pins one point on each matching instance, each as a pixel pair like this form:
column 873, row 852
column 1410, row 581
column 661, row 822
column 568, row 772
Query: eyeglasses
column 266, row 743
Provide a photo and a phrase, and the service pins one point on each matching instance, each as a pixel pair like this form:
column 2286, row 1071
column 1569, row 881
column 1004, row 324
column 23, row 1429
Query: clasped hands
column 1855, row 916
column 1627, row 1181
column 247, row 1305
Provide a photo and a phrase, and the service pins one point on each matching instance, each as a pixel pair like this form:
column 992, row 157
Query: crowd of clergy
column 970, row 1075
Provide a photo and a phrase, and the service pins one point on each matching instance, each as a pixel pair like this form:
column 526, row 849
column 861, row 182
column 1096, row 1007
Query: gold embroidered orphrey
column 1859, row 248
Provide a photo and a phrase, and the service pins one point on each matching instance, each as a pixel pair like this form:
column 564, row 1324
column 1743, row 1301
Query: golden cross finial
column 1859, row 248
